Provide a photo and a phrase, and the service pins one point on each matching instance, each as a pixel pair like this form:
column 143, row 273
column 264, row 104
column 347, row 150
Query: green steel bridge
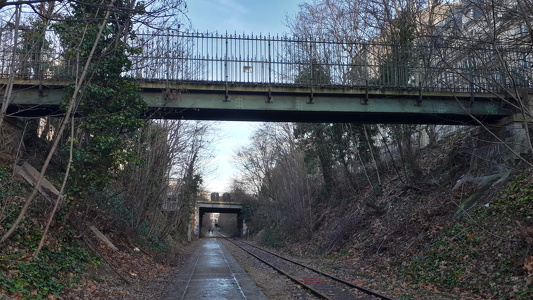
column 266, row 78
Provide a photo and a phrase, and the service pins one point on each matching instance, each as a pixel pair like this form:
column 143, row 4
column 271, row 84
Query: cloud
column 231, row 15
column 232, row 6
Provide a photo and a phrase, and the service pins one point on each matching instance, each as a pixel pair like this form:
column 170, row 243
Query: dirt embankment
column 444, row 234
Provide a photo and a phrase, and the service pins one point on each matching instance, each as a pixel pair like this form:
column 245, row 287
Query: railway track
column 321, row 284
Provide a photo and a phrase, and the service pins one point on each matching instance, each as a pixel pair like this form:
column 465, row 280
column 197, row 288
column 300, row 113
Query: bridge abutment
column 501, row 147
column 11, row 135
column 496, row 150
column 240, row 225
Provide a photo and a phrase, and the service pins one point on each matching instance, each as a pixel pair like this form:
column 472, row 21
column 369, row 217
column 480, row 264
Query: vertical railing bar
column 181, row 46
column 261, row 58
column 311, row 82
column 249, row 48
column 256, row 57
column 264, row 56
column 216, row 56
column 277, row 60
column 251, row 59
column 166, row 59
column 218, row 53
column 205, row 57
column 226, row 60
column 326, row 60
column 249, row 44
column 180, row 56
column 235, row 59
column 189, row 70
column 242, row 59
column 269, row 61
column 240, row 42
column 199, row 53
column 187, row 53
column 211, row 59
column 226, row 68
column 208, row 59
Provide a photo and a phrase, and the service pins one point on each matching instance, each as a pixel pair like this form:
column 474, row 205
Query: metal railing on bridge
column 426, row 64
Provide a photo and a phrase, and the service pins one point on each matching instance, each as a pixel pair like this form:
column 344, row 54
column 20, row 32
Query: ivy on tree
column 110, row 104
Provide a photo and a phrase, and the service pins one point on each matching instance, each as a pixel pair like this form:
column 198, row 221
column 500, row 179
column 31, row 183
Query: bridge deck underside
column 222, row 210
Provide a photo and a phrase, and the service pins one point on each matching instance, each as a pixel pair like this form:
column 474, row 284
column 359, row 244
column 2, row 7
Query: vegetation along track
column 323, row 285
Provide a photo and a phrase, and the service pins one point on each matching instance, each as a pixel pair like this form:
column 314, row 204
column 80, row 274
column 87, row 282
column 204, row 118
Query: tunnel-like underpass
column 227, row 211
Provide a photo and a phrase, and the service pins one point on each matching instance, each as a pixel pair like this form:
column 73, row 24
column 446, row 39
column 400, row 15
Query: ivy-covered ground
column 487, row 252
column 60, row 264
column 74, row 263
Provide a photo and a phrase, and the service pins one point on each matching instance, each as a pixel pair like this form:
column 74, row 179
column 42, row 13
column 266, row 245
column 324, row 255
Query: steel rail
column 296, row 280
column 324, row 274
column 314, row 291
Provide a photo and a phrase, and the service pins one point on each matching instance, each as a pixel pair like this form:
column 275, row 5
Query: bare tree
column 286, row 192
column 294, row 192
column 257, row 160
column 162, row 188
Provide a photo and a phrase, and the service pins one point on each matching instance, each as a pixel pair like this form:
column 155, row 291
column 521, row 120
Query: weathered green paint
column 210, row 101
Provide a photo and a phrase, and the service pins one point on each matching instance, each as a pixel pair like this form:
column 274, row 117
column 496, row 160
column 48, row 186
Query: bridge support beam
column 245, row 102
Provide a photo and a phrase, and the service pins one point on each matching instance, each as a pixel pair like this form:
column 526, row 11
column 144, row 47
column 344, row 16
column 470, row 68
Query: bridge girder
column 285, row 103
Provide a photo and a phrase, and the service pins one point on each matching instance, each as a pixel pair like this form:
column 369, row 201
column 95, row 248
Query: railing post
column 269, row 61
column 365, row 53
column 311, row 81
column 226, row 96
column 365, row 62
column 419, row 100
column 269, row 97
column 311, row 62
column 168, row 58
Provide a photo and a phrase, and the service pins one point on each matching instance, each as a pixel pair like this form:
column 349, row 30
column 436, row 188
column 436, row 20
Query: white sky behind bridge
column 236, row 16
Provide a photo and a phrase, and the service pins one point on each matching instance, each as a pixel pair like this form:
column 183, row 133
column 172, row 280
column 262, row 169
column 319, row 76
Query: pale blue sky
column 236, row 16
column 240, row 16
